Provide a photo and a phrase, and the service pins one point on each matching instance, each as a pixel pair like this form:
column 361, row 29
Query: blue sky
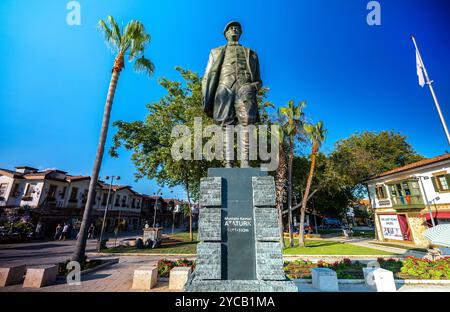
column 354, row 77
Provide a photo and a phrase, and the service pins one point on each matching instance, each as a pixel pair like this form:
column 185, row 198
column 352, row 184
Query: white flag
column 419, row 70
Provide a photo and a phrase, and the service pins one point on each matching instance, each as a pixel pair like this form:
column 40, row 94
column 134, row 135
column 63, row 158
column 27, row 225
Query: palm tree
column 293, row 124
column 316, row 134
column 127, row 42
column 280, row 184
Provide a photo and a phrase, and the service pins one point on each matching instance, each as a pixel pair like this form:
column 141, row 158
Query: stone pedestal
column 12, row 275
column 179, row 277
column 239, row 247
column 145, row 278
column 40, row 277
column 324, row 279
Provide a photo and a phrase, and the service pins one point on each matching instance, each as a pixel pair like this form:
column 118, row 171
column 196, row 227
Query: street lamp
column 106, row 210
column 156, row 206
column 426, row 198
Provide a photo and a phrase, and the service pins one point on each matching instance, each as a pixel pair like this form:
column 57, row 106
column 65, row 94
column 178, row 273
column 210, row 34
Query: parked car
column 331, row 223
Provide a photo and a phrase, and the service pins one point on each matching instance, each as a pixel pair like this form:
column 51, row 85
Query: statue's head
column 233, row 31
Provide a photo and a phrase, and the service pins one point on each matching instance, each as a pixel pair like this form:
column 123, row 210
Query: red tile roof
column 415, row 165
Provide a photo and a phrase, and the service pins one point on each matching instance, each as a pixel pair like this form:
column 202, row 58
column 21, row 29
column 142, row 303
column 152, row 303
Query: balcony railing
column 408, row 201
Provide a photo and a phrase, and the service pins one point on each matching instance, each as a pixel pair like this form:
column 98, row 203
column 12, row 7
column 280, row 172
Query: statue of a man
column 230, row 85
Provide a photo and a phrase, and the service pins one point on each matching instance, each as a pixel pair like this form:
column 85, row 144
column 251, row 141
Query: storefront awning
column 437, row 215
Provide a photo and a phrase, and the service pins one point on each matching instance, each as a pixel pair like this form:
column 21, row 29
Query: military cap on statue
column 232, row 23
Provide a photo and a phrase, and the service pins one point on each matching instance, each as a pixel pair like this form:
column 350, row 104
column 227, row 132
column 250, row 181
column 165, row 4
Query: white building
column 54, row 197
column 407, row 198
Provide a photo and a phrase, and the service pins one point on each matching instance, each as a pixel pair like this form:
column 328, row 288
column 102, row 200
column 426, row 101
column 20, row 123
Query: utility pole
column 106, row 211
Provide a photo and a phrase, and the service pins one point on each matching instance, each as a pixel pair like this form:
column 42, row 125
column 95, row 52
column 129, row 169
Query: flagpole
column 430, row 84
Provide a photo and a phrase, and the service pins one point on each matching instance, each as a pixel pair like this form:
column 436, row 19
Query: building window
column 73, row 195
column 124, row 201
column 15, row 192
column 29, row 193
column 380, row 191
column 105, row 198
column 117, row 203
column 3, row 188
column 62, row 193
column 441, row 182
column 51, row 195
column 84, row 197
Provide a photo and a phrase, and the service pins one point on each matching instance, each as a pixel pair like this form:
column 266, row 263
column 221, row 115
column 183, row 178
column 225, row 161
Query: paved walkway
column 115, row 278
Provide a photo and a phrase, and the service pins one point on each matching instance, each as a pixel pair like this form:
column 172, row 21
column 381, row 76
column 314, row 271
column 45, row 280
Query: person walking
column 91, row 231
column 65, row 231
column 58, row 232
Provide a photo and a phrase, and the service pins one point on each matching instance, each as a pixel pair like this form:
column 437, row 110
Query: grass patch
column 323, row 247
column 177, row 243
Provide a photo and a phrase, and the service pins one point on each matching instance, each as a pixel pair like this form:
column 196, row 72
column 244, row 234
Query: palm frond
column 144, row 65
column 115, row 30
column 109, row 37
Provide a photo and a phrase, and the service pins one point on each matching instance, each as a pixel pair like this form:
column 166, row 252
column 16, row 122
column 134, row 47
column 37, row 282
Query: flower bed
column 165, row 265
column 426, row 269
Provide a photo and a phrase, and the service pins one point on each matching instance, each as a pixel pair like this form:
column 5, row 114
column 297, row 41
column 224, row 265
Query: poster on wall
column 391, row 227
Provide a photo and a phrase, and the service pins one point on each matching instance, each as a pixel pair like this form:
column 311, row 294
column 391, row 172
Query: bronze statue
column 230, row 85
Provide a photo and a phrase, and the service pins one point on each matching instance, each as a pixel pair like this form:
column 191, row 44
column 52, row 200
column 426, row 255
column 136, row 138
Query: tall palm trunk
column 280, row 184
column 291, row 157
column 80, row 247
column 301, row 238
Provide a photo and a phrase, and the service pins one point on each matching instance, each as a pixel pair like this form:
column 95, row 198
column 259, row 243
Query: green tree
column 367, row 154
column 292, row 125
column 128, row 42
column 316, row 134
